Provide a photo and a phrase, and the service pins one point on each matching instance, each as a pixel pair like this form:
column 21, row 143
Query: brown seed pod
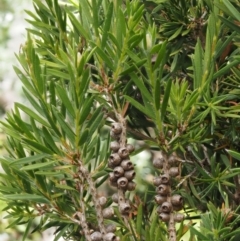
column 174, row 171
column 112, row 177
column 163, row 189
column 126, row 165
column 131, row 186
column 102, row 200
column 114, row 146
column 159, row 199
column 165, row 178
column 108, row 212
column 178, row 217
column 110, row 228
column 114, row 160
column 118, row 171
column 115, row 197
column 157, row 181
column 158, row 163
column 129, row 174
column 96, row 236
column 130, row 148
column 164, row 217
column 123, row 152
column 122, row 182
column 109, row 237
column 172, row 160
column 177, row 200
column 124, row 208
column 166, row 207
column 116, row 128
column 114, row 136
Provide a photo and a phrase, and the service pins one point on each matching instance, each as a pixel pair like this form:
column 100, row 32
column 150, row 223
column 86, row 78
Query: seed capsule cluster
column 108, row 234
column 123, row 173
column 167, row 203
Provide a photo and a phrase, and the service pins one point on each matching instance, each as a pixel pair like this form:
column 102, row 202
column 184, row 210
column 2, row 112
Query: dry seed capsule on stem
column 110, row 228
column 96, row 236
column 126, row 165
column 172, row 160
column 131, row 186
column 174, row 171
column 165, row 178
column 163, row 189
column 177, row 200
column 130, row 148
column 114, row 136
column 123, row 152
column 118, row 171
column 116, row 128
column 166, row 207
column 114, row 160
column 114, row 146
column 157, row 181
column 164, row 217
column 108, row 212
column 115, row 197
column 178, row 217
column 122, row 182
column 159, row 199
column 102, row 201
column 124, row 208
column 112, row 177
column 110, row 237
column 129, row 174
column 158, row 163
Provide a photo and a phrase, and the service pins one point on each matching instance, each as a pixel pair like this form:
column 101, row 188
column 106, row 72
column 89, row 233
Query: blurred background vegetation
column 12, row 35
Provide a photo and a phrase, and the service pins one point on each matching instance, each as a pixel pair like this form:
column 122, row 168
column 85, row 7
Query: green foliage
column 170, row 69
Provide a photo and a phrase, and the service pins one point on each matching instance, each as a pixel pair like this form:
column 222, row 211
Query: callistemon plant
column 106, row 81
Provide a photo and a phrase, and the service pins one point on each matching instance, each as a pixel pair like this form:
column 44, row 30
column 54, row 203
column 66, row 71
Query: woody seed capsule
column 96, row 236
column 118, row 171
column 160, row 199
column 165, row 178
column 116, row 128
column 124, row 208
column 102, row 201
column 174, row 171
column 126, row 165
column 158, row 163
column 109, row 237
column 115, row 197
column 157, row 181
column 110, row 228
column 114, row 136
column 130, row 148
column 163, row 189
column 122, row 182
column 164, row 217
column 131, row 186
column 108, row 212
column 114, row 146
column 123, row 152
column 177, row 200
column 166, row 207
column 114, row 159
column 178, row 217
column 112, row 177
column 129, row 174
